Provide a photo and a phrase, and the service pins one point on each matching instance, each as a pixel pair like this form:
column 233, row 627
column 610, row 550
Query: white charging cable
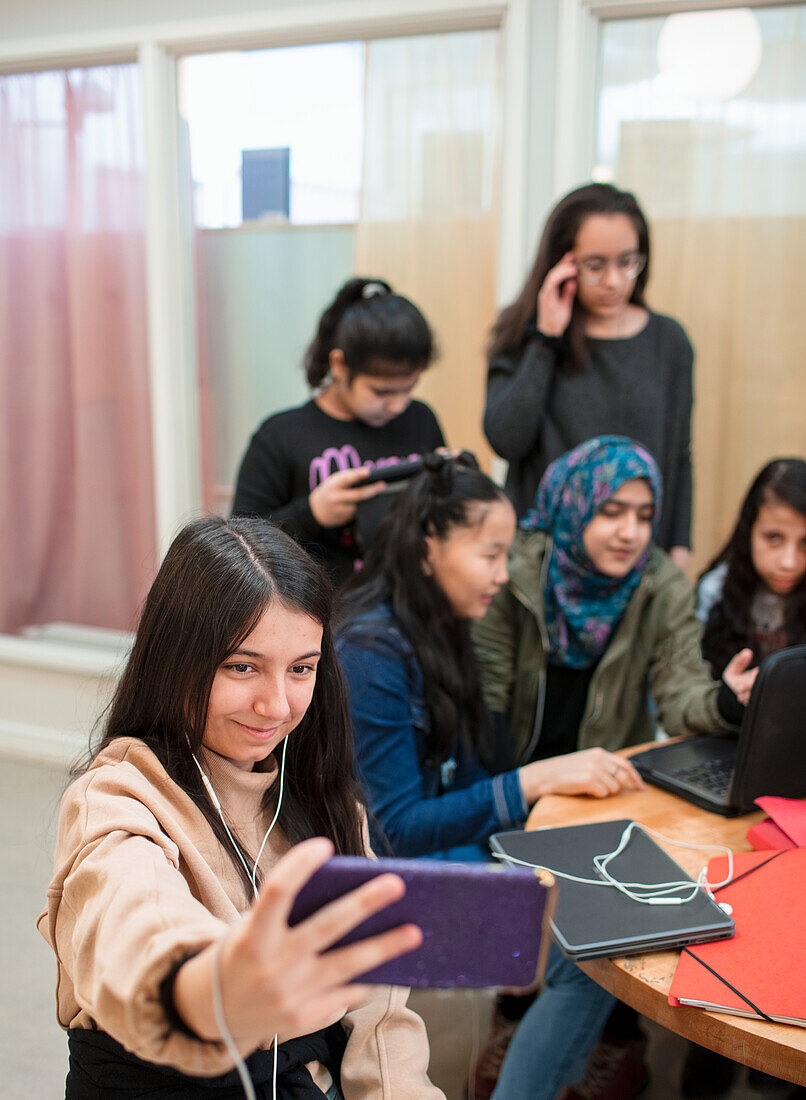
column 218, row 1006
column 221, row 1024
column 654, row 893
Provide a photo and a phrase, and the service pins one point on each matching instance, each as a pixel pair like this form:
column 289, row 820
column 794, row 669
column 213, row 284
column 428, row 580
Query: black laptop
column 726, row 774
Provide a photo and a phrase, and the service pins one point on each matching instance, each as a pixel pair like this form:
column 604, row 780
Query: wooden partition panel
column 737, row 285
column 447, row 267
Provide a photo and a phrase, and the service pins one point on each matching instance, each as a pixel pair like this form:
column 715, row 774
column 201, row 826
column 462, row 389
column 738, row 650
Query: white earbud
column 208, row 786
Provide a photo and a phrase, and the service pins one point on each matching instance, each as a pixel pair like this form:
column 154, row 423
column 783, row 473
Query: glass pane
column 275, row 134
column 431, row 126
column 703, row 116
column 260, row 294
column 76, row 486
column 429, row 203
column 275, row 139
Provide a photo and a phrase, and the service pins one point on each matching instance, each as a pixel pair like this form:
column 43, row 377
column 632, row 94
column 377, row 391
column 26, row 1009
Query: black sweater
column 293, row 451
column 639, row 386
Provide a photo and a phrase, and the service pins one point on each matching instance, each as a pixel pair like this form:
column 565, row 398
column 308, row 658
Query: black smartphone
column 395, row 471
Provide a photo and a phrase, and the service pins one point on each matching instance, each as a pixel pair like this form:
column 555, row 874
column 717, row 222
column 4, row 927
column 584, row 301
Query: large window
column 307, row 164
column 703, row 115
column 312, row 163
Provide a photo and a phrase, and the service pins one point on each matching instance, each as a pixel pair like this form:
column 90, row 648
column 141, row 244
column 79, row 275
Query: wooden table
column 643, row 981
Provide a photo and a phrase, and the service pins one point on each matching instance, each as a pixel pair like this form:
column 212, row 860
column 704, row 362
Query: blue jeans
column 551, row 1046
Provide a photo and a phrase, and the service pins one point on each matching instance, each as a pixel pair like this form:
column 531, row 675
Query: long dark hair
column 446, row 495
column 559, row 234
column 730, row 626
column 217, row 580
column 378, row 332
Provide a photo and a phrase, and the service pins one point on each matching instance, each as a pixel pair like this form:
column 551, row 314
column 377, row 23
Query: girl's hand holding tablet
column 333, row 503
column 277, row 979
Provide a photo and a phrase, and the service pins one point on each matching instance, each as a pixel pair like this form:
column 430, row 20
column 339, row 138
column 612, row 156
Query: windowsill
column 275, row 227
column 80, row 658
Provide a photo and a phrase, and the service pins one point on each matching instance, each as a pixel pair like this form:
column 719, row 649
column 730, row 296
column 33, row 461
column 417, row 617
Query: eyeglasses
column 629, row 266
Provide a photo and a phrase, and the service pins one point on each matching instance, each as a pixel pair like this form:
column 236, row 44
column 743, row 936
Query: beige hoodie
column 141, row 881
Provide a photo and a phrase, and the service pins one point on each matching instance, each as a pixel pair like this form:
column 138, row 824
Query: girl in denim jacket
column 425, row 746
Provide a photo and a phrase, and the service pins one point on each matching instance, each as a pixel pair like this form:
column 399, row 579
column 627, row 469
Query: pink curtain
column 77, row 532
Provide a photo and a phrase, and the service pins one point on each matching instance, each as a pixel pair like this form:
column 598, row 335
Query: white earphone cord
column 218, row 1005
column 654, row 893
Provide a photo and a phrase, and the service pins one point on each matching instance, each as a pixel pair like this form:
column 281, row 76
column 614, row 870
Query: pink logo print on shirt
column 335, row 459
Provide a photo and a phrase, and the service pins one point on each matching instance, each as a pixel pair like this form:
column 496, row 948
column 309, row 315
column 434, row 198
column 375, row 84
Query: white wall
column 51, row 18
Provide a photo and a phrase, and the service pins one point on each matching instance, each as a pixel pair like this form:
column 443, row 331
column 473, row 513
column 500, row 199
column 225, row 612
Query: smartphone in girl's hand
column 482, row 925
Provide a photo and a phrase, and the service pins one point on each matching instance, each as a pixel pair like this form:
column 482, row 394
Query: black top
column 293, row 451
column 639, row 386
column 563, row 710
column 102, row 1069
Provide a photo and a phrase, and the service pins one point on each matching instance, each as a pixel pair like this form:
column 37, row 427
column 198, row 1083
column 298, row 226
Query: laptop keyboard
column 712, row 775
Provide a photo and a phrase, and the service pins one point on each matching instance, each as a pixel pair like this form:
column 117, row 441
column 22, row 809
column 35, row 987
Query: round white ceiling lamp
column 709, row 54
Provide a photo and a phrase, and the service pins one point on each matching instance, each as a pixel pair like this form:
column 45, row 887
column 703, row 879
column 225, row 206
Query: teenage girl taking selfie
column 222, row 781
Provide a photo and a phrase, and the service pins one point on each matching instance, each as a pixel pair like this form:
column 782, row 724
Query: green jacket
column 656, row 645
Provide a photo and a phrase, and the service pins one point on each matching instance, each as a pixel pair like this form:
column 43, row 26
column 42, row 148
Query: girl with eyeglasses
column 579, row 354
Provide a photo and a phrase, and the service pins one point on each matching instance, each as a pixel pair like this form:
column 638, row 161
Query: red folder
column 759, row 972
column 766, row 835
column 785, row 827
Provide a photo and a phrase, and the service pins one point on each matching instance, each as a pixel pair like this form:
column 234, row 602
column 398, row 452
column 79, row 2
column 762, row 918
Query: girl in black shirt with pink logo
column 304, row 467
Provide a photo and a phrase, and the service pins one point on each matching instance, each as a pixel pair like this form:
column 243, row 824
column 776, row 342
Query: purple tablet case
column 482, row 926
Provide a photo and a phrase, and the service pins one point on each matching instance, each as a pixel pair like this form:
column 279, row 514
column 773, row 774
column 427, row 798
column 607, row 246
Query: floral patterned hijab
column 583, row 606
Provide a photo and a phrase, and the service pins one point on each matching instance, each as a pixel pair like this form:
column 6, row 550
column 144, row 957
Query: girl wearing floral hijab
column 593, row 616
column 583, row 604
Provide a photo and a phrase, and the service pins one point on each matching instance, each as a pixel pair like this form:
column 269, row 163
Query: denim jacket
column 446, row 808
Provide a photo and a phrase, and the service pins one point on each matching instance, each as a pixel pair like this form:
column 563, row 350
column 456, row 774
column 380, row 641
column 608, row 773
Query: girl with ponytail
column 424, row 742
column 304, row 467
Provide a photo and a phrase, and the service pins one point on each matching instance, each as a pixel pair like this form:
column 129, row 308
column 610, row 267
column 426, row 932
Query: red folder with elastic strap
column 759, row 972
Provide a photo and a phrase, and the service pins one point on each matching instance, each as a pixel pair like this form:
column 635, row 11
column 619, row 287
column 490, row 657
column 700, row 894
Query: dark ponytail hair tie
column 441, row 469
column 434, row 462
